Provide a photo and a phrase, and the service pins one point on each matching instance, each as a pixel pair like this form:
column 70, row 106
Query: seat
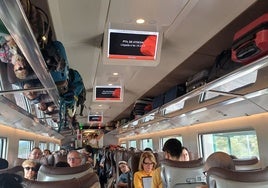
column 222, row 178
column 3, row 163
column 49, row 173
column 89, row 180
column 13, row 170
column 182, row 174
column 18, row 162
column 247, row 164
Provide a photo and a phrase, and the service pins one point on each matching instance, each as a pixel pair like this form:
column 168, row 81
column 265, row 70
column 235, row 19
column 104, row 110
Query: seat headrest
column 63, row 170
column 249, row 161
column 241, row 176
column 183, row 164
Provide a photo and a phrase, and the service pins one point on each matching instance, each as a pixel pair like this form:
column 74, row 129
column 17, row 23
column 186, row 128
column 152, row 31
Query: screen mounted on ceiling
column 131, row 44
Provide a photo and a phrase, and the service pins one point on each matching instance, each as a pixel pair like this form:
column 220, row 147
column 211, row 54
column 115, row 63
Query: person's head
column 172, row 149
column 184, row 155
column 147, row 162
column 148, row 149
column 3, row 163
column 31, row 95
column 30, row 169
column 62, row 151
column 219, row 159
column 74, row 158
column 46, row 152
column 62, row 164
column 10, row 180
column 36, row 153
column 123, row 166
column 20, row 68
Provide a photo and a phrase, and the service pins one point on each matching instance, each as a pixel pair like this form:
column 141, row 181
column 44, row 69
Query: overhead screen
column 138, row 47
column 129, row 44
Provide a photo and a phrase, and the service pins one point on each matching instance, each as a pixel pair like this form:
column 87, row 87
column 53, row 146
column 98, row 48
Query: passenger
column 184, row 155
column 74, row 158
column 21, row 67
column 147, row 165
column 172, row 151
column 10, row 181
column 148, row 149
column 35, row 153
column 3, row 164
column 46, row 152
column 37, row 156
column 62, row 164
column 30, row 169
column 126, row 175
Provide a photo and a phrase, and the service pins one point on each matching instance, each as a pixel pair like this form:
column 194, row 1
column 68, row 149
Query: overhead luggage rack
column 259, row 92
column 13, row 17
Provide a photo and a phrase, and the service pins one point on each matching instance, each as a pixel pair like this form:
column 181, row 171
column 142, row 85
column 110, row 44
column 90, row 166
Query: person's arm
column 156, row 179
column 137, row 180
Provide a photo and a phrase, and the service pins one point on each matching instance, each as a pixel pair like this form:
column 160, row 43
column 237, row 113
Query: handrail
column 16, row 22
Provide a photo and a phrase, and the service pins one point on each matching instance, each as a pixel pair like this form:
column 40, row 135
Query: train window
column 164, row 139
column 231, row 86
column 146, row 143
column 51, row 146
column 132, row 143
column 3, row 147
column 242, row 144
column 42, row 145
column 124, row 145
column 57, row 147
column 21, row 100
column 25, row 147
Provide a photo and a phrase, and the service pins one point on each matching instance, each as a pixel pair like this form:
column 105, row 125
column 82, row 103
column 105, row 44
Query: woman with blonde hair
column 147, row 165
column 30, row 169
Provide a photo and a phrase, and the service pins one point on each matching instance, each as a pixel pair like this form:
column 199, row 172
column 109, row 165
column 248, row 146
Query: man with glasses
column 74, row 158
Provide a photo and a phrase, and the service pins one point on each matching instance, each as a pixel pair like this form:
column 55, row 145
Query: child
column 126, row 177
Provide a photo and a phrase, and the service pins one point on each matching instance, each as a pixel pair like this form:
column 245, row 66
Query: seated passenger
column 125, row 176
column 10, row 180
column 46, row 152
column 172, row 151
column 74, row 158
column 37, row 156
column 148, row 149
column 184, row 155
column 147, row 166
column 30, row 169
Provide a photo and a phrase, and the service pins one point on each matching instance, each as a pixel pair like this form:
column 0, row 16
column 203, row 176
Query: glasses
column 30, row 168
column 147, row 163
column 74, row 158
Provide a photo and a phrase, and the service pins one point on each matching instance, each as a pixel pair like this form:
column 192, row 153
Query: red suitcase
column 251, row 42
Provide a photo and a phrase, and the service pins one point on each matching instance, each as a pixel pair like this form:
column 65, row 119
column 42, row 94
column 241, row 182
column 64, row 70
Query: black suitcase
column 223, row 65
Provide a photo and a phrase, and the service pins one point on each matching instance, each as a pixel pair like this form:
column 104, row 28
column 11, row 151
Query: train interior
column 77, row 86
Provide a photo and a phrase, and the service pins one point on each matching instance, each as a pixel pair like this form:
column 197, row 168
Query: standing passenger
column 147, row 166
column 74, row 158
column 172, row 151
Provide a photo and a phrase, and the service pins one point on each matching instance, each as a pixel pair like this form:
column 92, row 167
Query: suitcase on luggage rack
column 251, row 42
